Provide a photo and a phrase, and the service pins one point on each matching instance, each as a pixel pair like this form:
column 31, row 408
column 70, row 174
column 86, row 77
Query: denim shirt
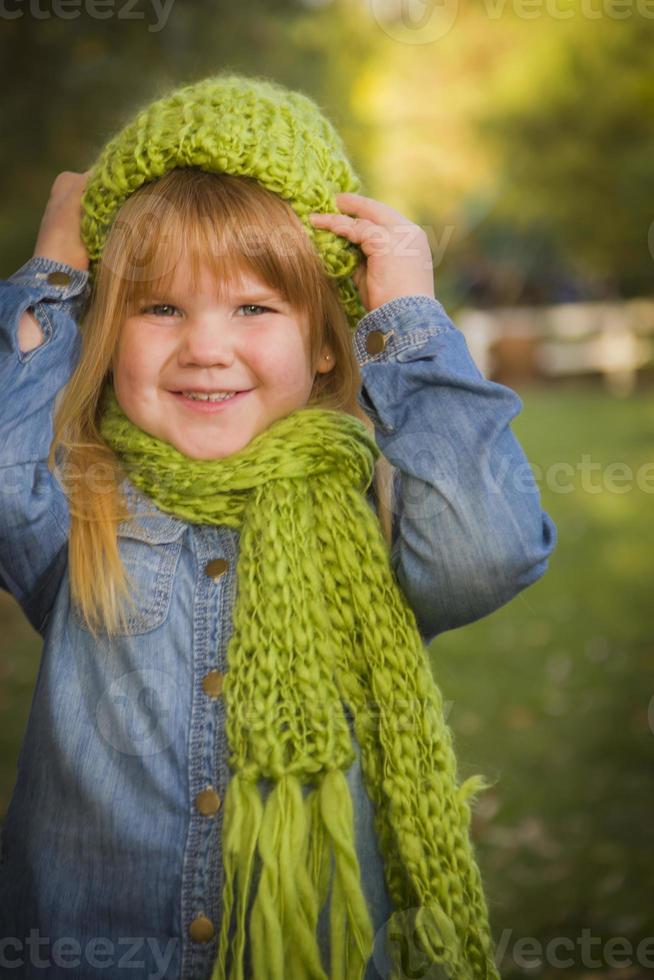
column 110, row 856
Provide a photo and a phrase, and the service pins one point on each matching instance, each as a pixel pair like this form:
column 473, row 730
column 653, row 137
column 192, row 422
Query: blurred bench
column 526, row 344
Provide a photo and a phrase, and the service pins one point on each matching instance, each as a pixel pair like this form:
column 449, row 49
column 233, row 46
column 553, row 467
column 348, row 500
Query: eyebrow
column 254, row 295
column 251, row 295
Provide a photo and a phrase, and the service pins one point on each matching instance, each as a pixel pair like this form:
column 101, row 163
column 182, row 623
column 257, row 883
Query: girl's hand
column 59, row 236
column 58, row 239
column 398, row 259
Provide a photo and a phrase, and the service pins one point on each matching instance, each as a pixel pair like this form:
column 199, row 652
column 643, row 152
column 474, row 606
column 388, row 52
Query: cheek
column 281, row 361
column 135, row 362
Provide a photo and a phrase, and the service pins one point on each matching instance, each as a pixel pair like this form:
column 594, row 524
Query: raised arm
column 39, row 348
column 468, row 529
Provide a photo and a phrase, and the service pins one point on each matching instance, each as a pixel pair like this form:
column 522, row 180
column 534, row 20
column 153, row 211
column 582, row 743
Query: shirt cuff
column 52, row 280
column 400, row 324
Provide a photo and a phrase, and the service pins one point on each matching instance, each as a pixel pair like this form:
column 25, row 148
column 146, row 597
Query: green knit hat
column 234, row 124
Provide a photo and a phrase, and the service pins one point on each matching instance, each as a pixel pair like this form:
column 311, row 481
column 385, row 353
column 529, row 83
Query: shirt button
column 216, row 567
column 213, row 683
column 208, row 802
column 58, row 278
column 201, row 929
column 375, row 342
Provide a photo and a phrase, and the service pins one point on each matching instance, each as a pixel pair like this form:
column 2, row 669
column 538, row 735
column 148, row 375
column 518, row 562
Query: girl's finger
column 368, row 207
column 362, row 231
column 358, row 274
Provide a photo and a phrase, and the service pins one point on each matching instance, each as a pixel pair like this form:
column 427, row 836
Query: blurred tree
column 69, row 84
column 520, row 143
column 573, row 126
column 520, row 139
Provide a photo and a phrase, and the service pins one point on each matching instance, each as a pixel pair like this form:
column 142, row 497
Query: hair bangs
column 231, row 226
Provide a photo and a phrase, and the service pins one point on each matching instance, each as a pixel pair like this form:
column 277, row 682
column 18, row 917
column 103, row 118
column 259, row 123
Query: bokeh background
column 520, row 135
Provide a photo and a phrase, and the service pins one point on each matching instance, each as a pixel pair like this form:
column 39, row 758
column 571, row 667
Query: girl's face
column 252, row 343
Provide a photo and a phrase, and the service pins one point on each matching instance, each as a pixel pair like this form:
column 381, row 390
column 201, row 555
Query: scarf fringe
column 296, row 839
column 242, row 819
column 352, row 932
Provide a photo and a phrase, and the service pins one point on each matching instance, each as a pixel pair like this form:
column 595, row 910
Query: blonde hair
column 211, row 218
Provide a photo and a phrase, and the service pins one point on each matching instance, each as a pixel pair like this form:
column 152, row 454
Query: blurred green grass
column 549, row 697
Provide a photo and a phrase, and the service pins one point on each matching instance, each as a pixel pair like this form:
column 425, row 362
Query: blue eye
column 158, row 306
column 253, row 306
column 168, row 306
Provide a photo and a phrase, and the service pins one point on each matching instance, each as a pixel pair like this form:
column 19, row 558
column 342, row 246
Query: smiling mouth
column 206, row 405
column 216, row 396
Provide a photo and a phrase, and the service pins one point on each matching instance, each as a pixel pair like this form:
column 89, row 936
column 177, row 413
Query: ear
column 326, row 362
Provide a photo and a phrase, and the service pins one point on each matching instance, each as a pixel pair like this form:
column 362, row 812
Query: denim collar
column 148, row 522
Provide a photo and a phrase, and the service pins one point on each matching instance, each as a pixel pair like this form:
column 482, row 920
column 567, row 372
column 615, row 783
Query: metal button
column 216, row 567
column 58, row 278
column 375, row 342
column 208, row 802
column 201, row 929
column 213, row 683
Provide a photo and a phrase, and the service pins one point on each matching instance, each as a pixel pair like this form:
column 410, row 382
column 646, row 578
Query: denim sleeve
column 34, row 519
column 468, row 529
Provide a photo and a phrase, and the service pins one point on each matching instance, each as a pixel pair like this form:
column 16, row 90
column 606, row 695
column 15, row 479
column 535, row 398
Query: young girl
column 272, row 474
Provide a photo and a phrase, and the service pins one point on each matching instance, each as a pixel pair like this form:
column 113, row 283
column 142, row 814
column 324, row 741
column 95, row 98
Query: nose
column 205, row 341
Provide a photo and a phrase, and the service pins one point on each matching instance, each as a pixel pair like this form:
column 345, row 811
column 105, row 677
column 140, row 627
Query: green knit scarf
column 319, row 623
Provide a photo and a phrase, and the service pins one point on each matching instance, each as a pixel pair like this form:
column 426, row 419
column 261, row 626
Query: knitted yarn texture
column 319, row 623
column 232, row 124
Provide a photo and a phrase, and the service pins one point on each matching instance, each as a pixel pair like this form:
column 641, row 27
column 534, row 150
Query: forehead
column 185, row 277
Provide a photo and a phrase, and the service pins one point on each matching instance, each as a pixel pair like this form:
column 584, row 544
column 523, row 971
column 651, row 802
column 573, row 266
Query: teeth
column 217, row 396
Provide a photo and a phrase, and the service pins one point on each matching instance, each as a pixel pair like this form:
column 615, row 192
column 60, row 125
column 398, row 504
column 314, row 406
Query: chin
column 209, row 454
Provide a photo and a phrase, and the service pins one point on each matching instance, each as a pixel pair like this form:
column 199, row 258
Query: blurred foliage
column 522, row 142
column 574, row 125
column 82, row 79
column 519, row 137
column 551, row 697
